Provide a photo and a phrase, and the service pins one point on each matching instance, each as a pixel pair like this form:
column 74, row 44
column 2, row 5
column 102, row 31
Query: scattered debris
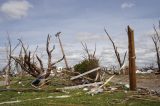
column 19, row 82
column 49, row 97
column 144, row 72
column 85, row 89
column 94, row 91
column 107, row 81
column 126, row 86
column 113, row 88
column 97, row 90
column 84, row 85
column 10, row 102
column 63, row 96
column 19, row 92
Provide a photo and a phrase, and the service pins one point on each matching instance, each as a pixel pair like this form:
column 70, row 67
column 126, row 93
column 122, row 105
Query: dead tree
column 156, row 41
column 65, row 60
column 121, row 62
column 89, row 55
column 7, row 68
column 31, row 67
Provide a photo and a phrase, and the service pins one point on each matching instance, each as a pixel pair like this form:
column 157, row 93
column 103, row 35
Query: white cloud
column 127, row 5
column 87, row 36
column 15, row 9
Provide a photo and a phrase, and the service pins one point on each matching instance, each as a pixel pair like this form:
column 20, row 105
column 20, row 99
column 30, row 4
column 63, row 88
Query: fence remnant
column 132, row 57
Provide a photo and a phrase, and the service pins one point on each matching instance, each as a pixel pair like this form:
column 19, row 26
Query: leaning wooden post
column 65, row 60
column 132, row 57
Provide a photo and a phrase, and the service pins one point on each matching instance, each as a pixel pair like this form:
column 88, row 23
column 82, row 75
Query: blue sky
column 81, row 20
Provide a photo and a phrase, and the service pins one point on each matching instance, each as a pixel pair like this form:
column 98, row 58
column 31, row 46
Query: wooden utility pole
column 65, row 60
column 132, row 57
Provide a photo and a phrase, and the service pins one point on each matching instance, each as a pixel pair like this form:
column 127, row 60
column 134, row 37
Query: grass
column 77, row 97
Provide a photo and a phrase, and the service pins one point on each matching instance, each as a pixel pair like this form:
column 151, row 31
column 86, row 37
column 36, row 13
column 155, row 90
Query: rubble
column 84, row 85
column 144, row 72
column 99, row 89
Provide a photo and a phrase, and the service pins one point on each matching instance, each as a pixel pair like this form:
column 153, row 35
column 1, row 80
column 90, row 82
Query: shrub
column 86, row 65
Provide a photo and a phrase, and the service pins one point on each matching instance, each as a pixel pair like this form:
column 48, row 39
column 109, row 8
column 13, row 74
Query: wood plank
column 75, row 77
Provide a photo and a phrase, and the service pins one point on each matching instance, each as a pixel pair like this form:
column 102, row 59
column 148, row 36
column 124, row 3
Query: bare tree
column 29, row 65
column 89, row 55
column 65, row 60
column 156, row 41
column 7, row 68
column 121, row 62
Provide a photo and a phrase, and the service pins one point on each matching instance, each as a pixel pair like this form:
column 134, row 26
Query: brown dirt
column 150, row 81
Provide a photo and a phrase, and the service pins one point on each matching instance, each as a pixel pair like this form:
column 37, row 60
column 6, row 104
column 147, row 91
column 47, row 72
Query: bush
column 87, row 65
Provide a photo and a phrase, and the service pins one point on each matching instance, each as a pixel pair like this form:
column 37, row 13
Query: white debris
column 144, row 72
column 19, row 82
column 10, row 102
column 94, row 91
column 50, row 97
column 84, row 85
column 113, row 88
column 63, row 96
column 126, row 85
column 19, row 92
column 150, row 71
column 37, row 98
column 85, row 89
column 125, row 91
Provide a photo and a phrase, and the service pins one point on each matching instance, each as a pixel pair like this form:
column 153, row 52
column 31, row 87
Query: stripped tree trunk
column 132, row 57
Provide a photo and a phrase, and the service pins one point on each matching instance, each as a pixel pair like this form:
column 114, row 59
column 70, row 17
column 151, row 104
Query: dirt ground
column 150, row 81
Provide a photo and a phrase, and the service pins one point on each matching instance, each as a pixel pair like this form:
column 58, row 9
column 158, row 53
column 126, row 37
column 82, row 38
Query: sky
column 80, row 21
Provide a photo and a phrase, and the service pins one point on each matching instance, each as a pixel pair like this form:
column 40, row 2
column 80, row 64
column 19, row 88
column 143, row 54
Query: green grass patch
column 77, row 97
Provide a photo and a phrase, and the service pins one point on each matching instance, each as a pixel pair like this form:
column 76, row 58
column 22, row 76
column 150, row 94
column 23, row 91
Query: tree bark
column 132, row 57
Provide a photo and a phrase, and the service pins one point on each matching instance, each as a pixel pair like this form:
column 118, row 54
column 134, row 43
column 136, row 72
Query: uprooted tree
column 29, row 64
column 120, row 61
column 156, row 41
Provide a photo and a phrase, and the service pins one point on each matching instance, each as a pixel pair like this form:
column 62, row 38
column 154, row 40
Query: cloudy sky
column 80, row 20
